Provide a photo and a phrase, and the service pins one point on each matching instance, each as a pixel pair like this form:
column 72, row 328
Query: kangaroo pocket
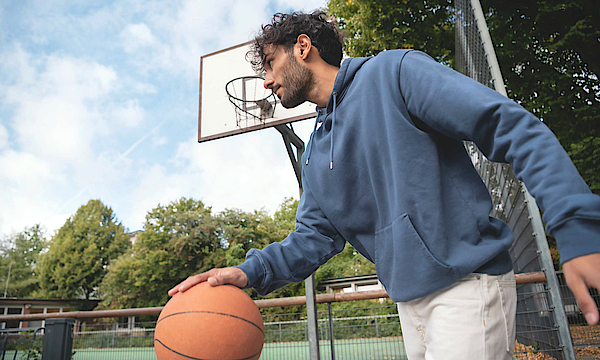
column 404, row 264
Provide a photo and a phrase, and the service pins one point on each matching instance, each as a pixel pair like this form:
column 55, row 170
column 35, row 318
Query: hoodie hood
column 343, row 79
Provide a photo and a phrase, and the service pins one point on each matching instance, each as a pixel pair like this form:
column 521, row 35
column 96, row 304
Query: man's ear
column 303, row 46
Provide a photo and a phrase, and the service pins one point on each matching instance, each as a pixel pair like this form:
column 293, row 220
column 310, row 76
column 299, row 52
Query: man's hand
column 230, row 275
column 582, row 273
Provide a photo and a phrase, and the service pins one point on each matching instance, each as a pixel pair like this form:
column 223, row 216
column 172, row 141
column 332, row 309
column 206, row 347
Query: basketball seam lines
column 195, row 358
column 213, row 312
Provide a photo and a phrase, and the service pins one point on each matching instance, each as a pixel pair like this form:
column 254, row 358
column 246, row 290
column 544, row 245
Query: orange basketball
column 206, row 322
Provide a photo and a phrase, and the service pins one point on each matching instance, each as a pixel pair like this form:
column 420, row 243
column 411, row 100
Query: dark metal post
column 311, row 315
column 562, row 322
column 58, row 339
column 290, row 138
column 331, row 337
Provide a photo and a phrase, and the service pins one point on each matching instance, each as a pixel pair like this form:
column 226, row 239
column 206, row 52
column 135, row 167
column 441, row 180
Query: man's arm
column 313, row 242
column 461, row 108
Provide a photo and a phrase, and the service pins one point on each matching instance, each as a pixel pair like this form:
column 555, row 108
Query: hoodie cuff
column 253, row 269
column 577, row 237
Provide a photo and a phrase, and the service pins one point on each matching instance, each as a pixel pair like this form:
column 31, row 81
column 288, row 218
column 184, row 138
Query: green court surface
column 368, row 349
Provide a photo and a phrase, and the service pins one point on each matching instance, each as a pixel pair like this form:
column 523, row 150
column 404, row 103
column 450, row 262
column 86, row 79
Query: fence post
column 58, row 339
column 312, row 320
column 331, row 337
column 564, row 332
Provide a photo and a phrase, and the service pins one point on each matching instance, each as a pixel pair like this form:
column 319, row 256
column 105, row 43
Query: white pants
column 471, row 319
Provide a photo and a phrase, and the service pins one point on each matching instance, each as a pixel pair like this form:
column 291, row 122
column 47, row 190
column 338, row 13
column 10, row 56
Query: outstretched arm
column 582, row 273
column 463, row 109
column 313, row 242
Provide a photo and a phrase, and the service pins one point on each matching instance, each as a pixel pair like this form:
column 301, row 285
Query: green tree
column 347, row 263
column 285, row 216
column 20, row 253
column 241, row 231
column 586, row 156
column 179, row 240
column 175, row 243
column 549, row 53
column 79, row 253
column 372, row 26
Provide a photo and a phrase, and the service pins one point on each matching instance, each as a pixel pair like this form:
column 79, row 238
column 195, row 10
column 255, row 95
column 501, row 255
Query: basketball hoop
column 251, row 101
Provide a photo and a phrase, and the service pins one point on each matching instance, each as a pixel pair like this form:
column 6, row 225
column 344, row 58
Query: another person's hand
column 229, row 275
column 582, row 273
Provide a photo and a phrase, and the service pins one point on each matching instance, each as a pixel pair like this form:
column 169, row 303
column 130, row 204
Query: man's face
column 290, row 80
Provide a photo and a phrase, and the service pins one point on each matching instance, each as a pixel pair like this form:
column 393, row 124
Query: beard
column 297, row 81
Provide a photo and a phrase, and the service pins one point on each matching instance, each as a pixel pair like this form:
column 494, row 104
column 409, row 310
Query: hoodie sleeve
column 463, row 109
column 313, row 242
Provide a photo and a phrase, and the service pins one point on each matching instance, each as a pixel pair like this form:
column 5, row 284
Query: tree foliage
column 347, row 263
column 20, row 253
column 91, row 254
column 372, row 26
column 80, row 252
column 549, row 52
column 179, row 240
column 175, row 243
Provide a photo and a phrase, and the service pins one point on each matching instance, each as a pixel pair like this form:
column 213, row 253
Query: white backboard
column 216, row 115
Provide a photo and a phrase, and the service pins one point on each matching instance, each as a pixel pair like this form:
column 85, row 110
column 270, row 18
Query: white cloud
column 159, row 140
column 53, row 128
column 156, row 186
column 173, row 35
column 230, row 172
column 61, row 107
column 130, row 114
column 30, row 190
column 136, row 36
column 23, row 168
column 302, row 5
column 17, row 65
column 3, row 137
column 62, row 104
column 144, row 88
column 185, row 30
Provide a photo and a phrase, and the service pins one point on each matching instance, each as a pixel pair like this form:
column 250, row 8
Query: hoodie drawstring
column 312, row 134
column 310, row 142
column 332, row 123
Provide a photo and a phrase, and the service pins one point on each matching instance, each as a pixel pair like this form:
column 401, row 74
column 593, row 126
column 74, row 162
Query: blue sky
column 99, row 100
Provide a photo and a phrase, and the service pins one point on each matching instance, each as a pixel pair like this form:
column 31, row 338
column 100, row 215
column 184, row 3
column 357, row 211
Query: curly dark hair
column 285, row 29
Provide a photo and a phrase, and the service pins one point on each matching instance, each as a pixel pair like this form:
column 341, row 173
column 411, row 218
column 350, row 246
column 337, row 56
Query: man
column 386, row 170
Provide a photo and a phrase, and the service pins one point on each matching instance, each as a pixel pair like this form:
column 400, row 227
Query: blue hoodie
column 387, row 171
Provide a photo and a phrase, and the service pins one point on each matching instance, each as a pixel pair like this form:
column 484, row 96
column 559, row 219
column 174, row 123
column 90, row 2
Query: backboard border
column 238, row 131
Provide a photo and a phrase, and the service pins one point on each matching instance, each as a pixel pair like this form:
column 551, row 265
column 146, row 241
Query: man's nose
column 268, row 84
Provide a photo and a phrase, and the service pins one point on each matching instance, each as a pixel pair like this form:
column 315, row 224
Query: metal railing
column 23, row 343
column 351, row 333
column 343, row 333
